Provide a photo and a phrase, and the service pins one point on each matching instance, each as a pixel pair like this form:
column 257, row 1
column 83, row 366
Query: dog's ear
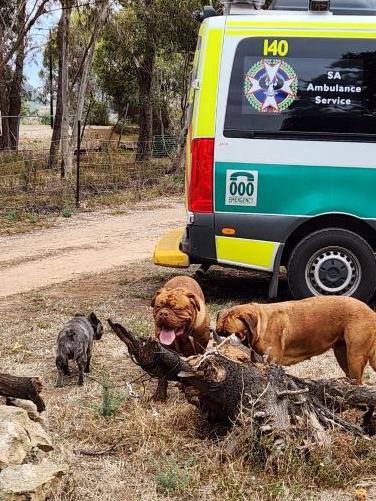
column 251, row 320
column 221, row 315
column 194, row 300
column 93, row 319
column 152, row 304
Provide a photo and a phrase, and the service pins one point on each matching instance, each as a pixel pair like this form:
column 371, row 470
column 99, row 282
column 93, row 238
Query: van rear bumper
column 168, row 252
column 199, row 240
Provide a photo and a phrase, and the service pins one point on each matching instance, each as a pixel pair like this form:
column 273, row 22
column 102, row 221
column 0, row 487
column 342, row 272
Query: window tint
column 301, row 86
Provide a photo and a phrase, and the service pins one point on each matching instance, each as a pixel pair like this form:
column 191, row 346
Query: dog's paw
column 159, row 397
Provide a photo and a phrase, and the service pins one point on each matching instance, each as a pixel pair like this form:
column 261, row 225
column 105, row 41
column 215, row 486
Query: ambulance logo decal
column 241, row 188
column 271, row 86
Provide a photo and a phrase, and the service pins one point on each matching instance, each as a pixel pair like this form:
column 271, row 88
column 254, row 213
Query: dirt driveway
column 87, row 243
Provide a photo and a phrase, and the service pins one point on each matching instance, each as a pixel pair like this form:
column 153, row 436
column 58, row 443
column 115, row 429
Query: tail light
column 200, row 196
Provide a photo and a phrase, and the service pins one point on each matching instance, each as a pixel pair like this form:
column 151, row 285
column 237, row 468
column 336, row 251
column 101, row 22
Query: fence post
column 78, row 164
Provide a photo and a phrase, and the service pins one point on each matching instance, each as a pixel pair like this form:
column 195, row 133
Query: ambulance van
column 281, row 152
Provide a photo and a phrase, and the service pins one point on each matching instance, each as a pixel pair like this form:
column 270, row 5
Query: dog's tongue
column 167, row 336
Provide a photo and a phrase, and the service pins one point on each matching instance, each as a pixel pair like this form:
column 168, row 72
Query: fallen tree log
column 24, row 388
column 224, row 382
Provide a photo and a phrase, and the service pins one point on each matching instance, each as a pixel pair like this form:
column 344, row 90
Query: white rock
column 29, row 481
column 14, row 443
column 29, row 407
column 19, row 435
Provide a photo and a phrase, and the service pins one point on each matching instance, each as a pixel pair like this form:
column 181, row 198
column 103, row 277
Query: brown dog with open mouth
column 181, row 320
column 291, row 332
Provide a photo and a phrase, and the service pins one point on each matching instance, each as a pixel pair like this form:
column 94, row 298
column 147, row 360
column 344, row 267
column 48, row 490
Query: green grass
column 10, row 216
column 67, row 212
column 111, row 401
column 33, row 218
column 173, row 478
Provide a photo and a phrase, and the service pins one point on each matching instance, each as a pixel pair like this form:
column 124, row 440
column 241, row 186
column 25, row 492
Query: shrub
column 67, row 212
column 173, row 478
column 111, row 400
column 99, row 114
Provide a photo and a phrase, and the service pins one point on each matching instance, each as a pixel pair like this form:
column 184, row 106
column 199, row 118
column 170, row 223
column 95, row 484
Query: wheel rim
column 333, row 271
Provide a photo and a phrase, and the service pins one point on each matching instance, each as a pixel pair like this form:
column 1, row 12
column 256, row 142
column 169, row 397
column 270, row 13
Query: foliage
column 98, row 113
column 111, row 400
column 173, row 478
column 67, row 212
column 79, row 37
column 116, row 63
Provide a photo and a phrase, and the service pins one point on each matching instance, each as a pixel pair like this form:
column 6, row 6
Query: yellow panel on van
column 167, row 251
column 245, row 252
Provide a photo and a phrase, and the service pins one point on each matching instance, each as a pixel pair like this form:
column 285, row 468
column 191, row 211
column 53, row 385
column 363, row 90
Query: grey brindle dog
column 75, row 342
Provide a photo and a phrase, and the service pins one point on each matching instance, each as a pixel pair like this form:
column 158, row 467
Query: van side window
column 303, row 88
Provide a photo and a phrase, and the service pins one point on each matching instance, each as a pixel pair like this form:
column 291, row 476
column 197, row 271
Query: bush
column 45, row 119
column 174, row 478
column 111, row 400
column 99, row 114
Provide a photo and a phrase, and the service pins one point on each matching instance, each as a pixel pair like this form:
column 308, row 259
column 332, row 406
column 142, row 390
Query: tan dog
column 291, row 332
column 181, row 320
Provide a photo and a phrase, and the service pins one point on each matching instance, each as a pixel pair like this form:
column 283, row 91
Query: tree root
column 224, row 383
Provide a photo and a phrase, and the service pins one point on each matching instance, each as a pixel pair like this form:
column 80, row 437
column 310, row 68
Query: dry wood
column 224, row 382
column 104, row 452
column 24, row 388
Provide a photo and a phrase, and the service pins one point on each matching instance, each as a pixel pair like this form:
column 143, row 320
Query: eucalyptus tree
column 16, row 20
column 144, row 59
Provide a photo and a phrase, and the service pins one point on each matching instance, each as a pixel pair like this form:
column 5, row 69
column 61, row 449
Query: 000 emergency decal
column 271, row 85
column 241, row 188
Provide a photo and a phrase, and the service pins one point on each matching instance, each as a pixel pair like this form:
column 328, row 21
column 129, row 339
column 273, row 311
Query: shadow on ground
column 221, row 286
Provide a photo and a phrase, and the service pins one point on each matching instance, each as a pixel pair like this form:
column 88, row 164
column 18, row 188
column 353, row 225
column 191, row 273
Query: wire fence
column 103, row 172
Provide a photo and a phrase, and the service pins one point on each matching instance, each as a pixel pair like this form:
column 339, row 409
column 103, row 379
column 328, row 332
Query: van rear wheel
column 332, row 262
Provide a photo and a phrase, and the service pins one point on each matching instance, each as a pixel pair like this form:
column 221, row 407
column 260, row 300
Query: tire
column 332, row 262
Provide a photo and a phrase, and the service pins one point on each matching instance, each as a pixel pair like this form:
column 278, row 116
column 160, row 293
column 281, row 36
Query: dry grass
column 156, row 451
column 33, row 197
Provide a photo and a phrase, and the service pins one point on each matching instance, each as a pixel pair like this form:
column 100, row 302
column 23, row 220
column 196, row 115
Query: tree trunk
column 16, row 85
column 56, row 133
column 5, row 137
column 145, row 137
column 67, row 160
column 24, row 388
column 4, row 103
column 145, row 79
column 224, row 383
column 178, row 162
column 85, row 70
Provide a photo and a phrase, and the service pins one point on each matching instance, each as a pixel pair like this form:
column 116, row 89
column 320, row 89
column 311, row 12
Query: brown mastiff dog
column 288, row 333
column 181, row 320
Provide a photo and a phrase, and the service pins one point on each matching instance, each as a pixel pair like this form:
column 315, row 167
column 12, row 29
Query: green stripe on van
column 296, row 190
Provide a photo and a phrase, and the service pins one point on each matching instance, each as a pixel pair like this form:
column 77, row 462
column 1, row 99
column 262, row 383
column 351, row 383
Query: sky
column 39, row 37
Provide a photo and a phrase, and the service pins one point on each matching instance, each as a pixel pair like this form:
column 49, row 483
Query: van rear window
column 315, row 88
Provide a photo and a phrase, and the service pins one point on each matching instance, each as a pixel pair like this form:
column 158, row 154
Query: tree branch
column 23, row 32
